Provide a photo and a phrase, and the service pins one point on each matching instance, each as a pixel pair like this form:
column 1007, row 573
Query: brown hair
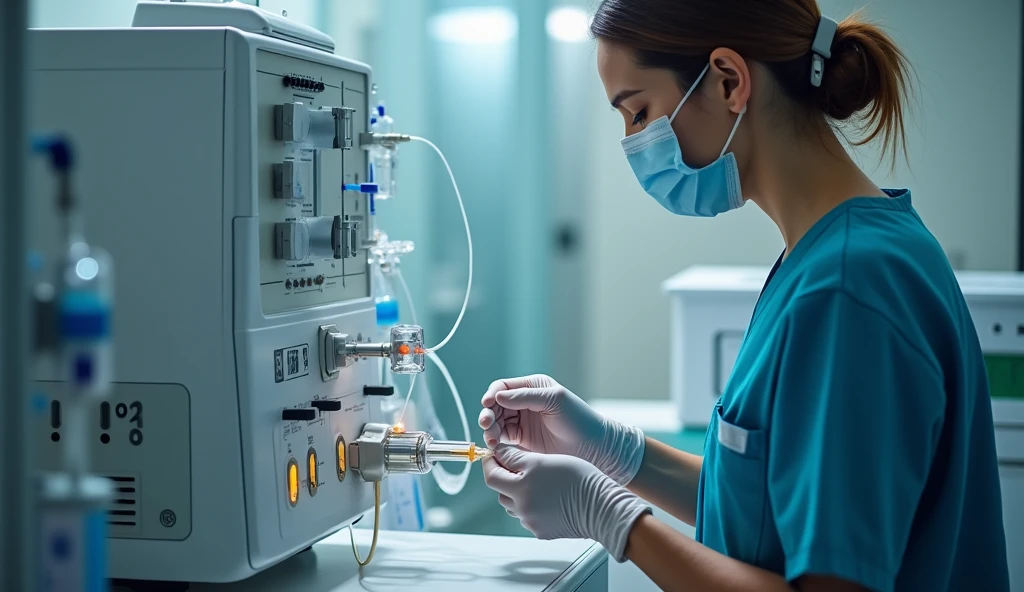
column 867, row 79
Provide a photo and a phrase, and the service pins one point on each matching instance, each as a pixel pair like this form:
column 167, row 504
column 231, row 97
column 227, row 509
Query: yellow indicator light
column 293, row 482
column 341, row 458
column 311, row 461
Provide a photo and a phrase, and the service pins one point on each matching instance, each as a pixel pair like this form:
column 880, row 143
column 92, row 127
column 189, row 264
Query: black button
column 327, row 405
column 378, row 391
column 298, row 414
column 287, row 80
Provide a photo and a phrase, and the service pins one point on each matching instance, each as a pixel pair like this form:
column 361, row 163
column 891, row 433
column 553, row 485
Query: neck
column 799, row 180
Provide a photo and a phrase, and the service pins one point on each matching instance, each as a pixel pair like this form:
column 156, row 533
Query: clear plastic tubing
column 469, row 242
column 451, row 484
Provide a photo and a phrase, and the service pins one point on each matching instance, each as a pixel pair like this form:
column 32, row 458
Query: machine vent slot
column 123, row 513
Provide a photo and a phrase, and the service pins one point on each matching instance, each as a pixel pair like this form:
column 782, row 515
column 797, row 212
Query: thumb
column 512, row 458
column 499, row 478
column 527, row 399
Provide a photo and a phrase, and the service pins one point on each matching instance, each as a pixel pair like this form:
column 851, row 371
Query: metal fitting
column 371, row 139
column 367, row 454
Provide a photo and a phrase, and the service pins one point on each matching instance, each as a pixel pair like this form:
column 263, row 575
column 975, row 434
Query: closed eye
column 638, row 119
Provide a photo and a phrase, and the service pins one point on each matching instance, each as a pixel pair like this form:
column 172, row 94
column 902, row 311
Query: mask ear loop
column 735, row 127
column 693, row 87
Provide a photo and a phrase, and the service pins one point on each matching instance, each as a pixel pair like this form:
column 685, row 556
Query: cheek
column 701, row 137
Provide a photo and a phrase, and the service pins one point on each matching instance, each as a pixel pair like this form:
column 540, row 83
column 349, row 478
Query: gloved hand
column 538, row 414
column 563, row 497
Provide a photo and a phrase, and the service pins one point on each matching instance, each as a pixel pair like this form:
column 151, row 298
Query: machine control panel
column 313, row 232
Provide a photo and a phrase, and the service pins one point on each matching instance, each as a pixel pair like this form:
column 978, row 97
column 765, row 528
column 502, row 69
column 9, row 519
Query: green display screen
column 1005, row 376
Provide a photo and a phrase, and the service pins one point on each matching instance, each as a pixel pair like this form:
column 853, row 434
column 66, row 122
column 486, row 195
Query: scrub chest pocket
column 735, row 492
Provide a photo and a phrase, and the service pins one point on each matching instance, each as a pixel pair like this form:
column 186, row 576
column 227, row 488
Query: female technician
column 853, row 448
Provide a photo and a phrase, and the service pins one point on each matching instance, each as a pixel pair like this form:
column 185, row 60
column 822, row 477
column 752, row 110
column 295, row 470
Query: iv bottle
column 383, row 158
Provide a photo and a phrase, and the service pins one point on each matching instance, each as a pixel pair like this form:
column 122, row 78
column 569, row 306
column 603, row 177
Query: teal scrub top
column 854, row 438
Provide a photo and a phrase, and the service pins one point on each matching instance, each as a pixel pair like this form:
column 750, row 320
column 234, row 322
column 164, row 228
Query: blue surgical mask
column 658, row 164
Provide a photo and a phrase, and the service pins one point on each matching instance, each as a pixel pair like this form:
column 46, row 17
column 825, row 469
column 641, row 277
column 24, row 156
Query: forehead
column 616, row 64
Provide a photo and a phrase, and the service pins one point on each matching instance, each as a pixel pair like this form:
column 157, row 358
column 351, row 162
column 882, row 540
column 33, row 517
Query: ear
column 732, row 78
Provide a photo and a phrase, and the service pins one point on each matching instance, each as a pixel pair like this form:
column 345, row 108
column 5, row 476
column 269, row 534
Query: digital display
column 1005, row 376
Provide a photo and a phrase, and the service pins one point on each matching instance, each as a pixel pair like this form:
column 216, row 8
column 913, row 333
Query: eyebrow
column 622, row 96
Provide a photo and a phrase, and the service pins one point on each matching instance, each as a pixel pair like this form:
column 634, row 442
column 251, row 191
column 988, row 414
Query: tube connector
column 405, row 350
column 372, row 139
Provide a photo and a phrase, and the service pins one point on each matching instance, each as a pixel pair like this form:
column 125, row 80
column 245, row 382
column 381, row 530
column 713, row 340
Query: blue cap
column 387, row 313
column 83, row 315
column 362, row 187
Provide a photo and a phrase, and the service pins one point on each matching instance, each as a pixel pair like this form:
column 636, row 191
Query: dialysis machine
column 711, row 307
column 222, row 147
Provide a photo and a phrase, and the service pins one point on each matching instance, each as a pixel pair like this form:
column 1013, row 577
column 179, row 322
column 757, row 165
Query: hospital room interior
column 263, row 260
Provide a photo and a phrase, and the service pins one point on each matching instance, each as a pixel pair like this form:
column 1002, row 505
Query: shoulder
column 883, row 265
column 886, row 260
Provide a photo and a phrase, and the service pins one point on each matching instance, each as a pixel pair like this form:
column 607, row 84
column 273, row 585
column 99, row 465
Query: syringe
column 383, row 449
column 416, row 452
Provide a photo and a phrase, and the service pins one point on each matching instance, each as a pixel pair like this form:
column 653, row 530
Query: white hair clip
column 821, row 49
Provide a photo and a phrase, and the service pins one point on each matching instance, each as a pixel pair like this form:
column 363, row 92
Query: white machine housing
column 183, row 179
column 712, row 306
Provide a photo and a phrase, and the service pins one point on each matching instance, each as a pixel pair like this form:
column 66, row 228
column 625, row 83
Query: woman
column 853, row 448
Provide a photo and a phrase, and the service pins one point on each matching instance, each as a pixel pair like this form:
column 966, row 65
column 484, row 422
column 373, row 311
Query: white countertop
column 431, row 561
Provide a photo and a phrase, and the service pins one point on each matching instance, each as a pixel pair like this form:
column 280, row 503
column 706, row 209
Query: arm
column 668, row 478
column 674, row 561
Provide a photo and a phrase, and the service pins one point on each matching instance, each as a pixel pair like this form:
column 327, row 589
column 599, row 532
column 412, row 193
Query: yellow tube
column 376, row 529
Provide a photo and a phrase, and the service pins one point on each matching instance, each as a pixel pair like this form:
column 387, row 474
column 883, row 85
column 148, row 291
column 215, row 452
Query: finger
column 499, row 478
column 527, row 399
column 502, row 385
column 513, row 460
column 493, row 432
column 511, row 430
column 506, row 502
column 492, row 436
column 486, row 418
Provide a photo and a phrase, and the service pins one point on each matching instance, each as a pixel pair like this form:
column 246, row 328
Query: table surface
column 430, row 561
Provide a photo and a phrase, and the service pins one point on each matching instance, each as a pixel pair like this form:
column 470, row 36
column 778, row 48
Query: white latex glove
column 563, row 497
column 538, row 414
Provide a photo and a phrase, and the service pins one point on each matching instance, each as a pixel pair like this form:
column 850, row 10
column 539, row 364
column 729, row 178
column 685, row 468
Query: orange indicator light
column 293, row 482
column 311, row 461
